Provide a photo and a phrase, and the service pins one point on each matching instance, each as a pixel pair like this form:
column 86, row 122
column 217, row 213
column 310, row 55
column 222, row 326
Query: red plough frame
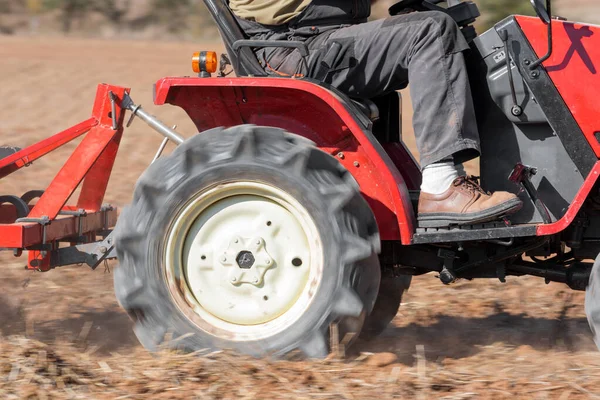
column 90, row 164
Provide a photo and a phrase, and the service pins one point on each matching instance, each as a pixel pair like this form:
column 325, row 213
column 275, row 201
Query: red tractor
column 289, row 222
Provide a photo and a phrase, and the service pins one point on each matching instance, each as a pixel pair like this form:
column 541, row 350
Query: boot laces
column 471, row 183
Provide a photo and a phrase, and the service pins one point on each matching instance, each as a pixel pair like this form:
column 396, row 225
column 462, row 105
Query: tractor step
column 494, row 230
column 489, row 231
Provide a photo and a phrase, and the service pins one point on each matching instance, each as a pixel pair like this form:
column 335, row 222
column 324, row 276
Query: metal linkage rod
column 152, row 121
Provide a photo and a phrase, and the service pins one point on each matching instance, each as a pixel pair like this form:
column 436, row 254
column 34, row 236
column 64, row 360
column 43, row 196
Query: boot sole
column 445, row 220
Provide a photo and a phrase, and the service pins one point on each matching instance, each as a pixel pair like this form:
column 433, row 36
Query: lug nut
column 258, row 242
column 223, row 259
column 268, row 262
column 234, row 279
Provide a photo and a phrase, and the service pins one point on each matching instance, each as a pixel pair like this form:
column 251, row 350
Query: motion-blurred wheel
column 250, row 239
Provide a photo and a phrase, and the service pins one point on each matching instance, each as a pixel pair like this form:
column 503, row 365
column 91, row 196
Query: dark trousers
column 374, row 58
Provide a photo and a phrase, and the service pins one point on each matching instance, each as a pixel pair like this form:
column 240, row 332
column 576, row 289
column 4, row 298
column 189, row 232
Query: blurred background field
column 64, row 335
column 189, row 19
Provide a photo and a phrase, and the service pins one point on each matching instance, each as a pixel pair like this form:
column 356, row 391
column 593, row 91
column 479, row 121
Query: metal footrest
column 487, row 225
column 478, row 232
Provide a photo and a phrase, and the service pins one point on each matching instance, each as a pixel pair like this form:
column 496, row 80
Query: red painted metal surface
column 91, row 162
column 30, row 234
column 28, row 155
column 403, row 160
column 72, row 173
column 38, row 261
column 578, row 201
column 574, row 68
column 8, row 213
column 98, row 149
column 96, row 180
column 312, row 111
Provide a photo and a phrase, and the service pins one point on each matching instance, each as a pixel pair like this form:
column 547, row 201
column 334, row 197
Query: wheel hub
column 246, row 257
column 247, row 261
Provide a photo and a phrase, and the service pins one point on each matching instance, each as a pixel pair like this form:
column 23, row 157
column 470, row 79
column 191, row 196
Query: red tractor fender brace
column 306, row 109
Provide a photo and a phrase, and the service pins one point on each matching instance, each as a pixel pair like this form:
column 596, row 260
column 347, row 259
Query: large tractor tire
column 249, row 239
column 388, row 302
column 592, row 301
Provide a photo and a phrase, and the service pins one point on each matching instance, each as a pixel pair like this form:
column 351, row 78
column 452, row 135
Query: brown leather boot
column 465, row 203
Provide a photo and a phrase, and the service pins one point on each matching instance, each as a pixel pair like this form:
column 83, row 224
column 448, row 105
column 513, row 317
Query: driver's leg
column 423, row 48
column 427, row 50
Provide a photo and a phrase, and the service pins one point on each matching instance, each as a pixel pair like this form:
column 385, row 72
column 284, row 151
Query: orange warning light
column 204, row 61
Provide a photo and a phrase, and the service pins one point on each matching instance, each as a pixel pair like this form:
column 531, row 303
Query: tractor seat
column 243, row 60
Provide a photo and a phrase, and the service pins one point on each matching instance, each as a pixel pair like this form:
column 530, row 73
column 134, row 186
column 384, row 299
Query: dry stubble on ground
column 64, row 335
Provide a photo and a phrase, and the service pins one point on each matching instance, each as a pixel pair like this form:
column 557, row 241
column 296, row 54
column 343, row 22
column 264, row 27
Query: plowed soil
column 65, row 336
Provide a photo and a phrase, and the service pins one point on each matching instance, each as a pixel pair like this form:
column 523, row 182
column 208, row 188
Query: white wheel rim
column 243, row 260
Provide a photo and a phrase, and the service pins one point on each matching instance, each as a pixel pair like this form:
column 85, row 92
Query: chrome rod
column 151, row 120
column 158, row 126
column 161, row 149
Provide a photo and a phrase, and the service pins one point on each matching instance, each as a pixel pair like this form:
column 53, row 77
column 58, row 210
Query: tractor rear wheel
column 249, row 239
column 389, row 298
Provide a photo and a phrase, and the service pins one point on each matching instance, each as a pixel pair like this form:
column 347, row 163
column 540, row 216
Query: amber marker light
column 204, row 62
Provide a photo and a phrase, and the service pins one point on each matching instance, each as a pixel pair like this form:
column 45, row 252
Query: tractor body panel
column 548, row 135
column 317, row 113
column 573, row 68
column 527, row 139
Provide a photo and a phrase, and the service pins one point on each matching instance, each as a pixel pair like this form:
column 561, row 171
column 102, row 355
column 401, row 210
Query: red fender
column 306, row 109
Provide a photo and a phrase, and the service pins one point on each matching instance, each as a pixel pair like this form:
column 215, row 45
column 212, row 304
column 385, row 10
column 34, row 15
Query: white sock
column 438, row 177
